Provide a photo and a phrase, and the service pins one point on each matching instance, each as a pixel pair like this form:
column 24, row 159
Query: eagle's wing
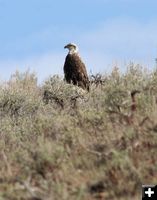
column 75, row 71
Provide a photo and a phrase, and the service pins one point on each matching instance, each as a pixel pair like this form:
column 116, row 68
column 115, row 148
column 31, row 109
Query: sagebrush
column 59, row 142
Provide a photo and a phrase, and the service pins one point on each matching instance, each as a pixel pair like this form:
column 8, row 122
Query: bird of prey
column 74, row 68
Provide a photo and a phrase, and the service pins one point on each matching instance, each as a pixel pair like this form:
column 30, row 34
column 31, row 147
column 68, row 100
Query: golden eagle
column 74, row 69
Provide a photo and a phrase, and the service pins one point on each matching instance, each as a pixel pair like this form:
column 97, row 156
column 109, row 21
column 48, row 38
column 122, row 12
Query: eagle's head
column 72, row 48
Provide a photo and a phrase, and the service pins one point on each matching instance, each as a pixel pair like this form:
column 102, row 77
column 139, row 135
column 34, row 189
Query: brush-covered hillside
column 59, row 142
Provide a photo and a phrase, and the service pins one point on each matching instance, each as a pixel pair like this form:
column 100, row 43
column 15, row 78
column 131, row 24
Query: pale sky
column 108, row 32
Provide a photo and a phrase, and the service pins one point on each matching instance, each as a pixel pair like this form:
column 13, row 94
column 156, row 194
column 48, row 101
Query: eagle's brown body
column 75, row 71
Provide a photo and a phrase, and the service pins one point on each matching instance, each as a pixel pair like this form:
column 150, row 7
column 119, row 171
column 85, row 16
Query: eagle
column 74, row 69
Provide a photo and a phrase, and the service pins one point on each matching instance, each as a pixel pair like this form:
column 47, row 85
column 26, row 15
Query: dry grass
column 58, row 142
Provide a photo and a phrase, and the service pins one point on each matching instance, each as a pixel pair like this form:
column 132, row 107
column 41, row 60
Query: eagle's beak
column 65, row 47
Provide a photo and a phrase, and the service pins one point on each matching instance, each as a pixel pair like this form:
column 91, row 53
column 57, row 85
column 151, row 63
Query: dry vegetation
column 58, row 142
